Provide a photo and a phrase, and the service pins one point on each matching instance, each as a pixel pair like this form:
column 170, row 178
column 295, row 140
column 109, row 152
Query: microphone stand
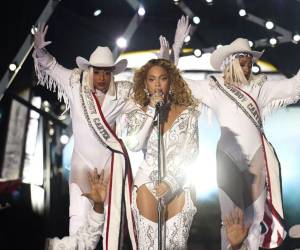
column 160, row 207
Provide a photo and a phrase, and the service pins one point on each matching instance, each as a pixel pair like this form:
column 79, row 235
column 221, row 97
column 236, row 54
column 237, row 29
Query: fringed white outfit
column 248, row 171
column 86, row 237
column 93, row 139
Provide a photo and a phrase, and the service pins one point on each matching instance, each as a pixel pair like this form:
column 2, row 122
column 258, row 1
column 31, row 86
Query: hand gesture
column 182, row 30
column 39, row 37
column 98, row 188
column 164, row 48
column 162, row 189
column 157, row 97
column 236, row 231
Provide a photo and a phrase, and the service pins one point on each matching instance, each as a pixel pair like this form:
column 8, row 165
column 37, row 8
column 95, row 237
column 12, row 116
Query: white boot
column 146, row 229
column 178, row 226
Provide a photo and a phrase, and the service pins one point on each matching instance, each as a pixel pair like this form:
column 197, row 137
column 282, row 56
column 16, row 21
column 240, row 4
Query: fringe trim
column 280, row 103
column 51, row 84
column 258, row 79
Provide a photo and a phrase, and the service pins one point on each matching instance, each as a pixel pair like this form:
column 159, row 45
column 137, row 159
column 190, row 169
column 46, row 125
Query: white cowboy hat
column 237, row 46
column 102, row 57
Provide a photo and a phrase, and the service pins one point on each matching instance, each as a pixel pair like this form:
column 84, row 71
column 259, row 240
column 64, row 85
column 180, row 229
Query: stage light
column 141, row 11
column 269, row 25
column 46, row 104
column 51, row 131
column 196, row 20
column 187, row 39
column 197, row 52
column 219, row 46
column 209, row 1
column 255, row 69
column 242, row 12
column 33, row 30
column 251, row 43
column 202, row 174
column 62, row 107
column 64, row 139
column 97, row 12
column 12, row 67
column 62, row 117
column 176, row 1
column 296, row 38
column 273, row 41
column 121, row 42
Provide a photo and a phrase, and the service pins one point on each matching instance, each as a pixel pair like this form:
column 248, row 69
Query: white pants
column 253, row 216
column 78, row 184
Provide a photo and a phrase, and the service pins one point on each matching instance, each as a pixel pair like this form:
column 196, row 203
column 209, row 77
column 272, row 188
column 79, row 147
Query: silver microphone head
column 159, row 104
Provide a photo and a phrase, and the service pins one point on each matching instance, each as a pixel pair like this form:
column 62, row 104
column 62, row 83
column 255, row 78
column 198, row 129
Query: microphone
column 159, row 104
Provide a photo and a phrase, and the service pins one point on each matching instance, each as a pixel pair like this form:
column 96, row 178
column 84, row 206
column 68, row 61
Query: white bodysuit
column 241, row 171
column 88, row 152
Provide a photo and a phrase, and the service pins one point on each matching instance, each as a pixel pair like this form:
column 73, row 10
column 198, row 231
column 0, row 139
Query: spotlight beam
column 26, row 48
column 128, row 33
column 132, row 26
column 286, row 34
column 185, row 9
column 135, row 4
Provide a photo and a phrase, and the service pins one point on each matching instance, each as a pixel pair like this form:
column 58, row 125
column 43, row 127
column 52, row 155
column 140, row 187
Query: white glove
column 39, row 37
column 182, row 30
column 164, row 48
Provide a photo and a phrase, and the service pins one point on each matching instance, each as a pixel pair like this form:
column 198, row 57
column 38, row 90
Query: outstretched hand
column 98, row 188
column 182, row 30
column 164, row 48
column 236, row 231
column 39, row 37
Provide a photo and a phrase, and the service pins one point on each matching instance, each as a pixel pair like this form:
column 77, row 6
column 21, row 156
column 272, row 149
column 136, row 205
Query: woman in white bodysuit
column 159, row 81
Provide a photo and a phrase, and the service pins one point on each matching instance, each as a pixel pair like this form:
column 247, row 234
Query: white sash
column 120, row 184
column 273, row 217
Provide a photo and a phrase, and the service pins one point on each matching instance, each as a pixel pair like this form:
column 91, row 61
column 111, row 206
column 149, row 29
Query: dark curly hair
column 181, row 92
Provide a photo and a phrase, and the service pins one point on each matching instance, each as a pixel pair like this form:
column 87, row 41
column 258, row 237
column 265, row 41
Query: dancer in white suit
column 95, row 101
column 248, row 171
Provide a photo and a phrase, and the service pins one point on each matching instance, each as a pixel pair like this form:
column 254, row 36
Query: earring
column 146, row 92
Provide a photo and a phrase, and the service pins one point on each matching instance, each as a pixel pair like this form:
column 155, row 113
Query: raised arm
column 164, row 51
column 279, row 93
column 203, row 91
column 182, row 30
column 49, row 72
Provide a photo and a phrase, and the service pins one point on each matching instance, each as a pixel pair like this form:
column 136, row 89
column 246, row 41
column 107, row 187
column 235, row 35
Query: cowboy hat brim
column 119, row 67
column 223, row 52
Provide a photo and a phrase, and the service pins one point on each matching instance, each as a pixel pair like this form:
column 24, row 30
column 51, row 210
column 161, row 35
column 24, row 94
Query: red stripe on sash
column 268, row 235
column 272, row 210
column 109, row 199
column 127, row 169
column 103, row 118
column 262, row 142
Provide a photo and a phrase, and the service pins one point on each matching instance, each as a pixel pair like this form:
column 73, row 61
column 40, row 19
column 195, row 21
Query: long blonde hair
column 233, row 73
column 181, row 94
